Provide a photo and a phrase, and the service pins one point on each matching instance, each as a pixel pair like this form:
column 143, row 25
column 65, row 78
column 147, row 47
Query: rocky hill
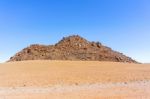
column 71, row 48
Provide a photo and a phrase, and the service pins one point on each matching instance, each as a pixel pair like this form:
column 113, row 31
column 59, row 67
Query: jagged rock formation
column 71, row 48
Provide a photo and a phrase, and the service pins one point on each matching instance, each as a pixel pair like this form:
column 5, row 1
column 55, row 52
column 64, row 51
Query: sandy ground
column 74, row 80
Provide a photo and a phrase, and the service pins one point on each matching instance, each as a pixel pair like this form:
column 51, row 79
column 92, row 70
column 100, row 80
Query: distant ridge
column 71, row 48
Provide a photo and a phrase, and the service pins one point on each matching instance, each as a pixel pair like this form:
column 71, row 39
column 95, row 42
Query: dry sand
column 74, row 80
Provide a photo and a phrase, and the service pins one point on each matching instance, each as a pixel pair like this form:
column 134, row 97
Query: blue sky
column 123, row 25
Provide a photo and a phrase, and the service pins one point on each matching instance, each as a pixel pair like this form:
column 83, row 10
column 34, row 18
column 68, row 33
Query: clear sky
column 123, row 25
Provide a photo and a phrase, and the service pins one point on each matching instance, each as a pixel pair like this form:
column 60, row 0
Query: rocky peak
column 74, row 41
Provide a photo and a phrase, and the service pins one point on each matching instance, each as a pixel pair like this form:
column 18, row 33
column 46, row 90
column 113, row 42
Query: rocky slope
column 71, row 48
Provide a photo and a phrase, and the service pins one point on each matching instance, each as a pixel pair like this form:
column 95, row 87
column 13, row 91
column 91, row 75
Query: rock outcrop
column 71, row 48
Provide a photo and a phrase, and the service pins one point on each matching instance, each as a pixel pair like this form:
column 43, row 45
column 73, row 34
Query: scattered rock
column 125, row 83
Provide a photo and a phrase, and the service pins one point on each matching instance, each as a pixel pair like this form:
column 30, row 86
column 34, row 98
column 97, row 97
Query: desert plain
column 47, row 79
